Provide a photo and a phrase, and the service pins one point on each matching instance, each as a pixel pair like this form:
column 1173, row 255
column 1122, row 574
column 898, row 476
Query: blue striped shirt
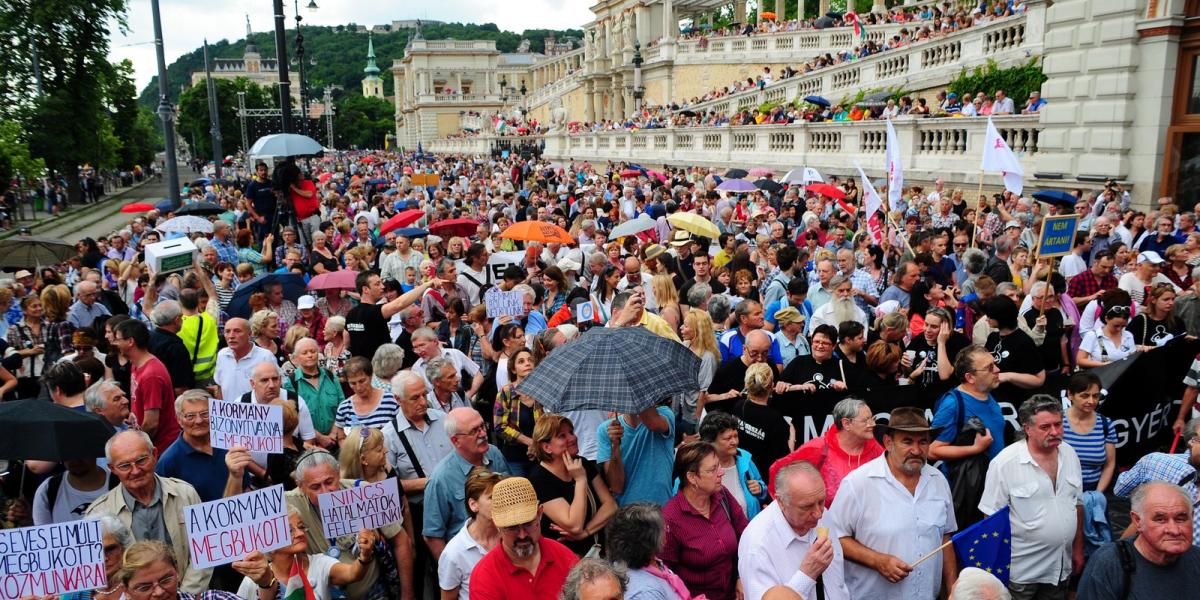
column 382, row 415
column 1090, row 447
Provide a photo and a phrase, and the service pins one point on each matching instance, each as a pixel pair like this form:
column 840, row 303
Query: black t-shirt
column 368, row 329
column 1014, row 353
column 1051, row 350
column 762, row 432
column 930, row 379
column 263, row 198
column 1152, row 332
column 729, row 376
column 549, row 487
column 806, row 369
column 330, row 263
column 716, row 286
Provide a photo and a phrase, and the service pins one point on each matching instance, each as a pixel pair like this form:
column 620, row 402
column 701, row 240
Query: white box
column 171, row 255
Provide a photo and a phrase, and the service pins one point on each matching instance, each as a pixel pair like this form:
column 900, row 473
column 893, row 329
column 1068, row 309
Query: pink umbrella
column 323, row 177
column 659, row 176
column 761, row 172
column 336, row 280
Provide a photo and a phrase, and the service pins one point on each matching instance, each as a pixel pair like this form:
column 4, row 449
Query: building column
column 617, row 93
column 781, row 9
column 824, row 7
column 878, row 7
column 589, row 102
column 670, row 24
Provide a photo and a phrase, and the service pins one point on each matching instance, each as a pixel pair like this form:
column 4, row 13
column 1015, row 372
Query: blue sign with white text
column 1058, row 235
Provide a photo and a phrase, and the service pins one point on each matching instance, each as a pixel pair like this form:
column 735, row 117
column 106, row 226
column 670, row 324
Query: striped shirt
column 1090, row 447
column 383, row 414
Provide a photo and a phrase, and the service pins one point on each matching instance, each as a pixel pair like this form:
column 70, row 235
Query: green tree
column 15, row 160
column 362, row 122
column 128, row 122
column 193, row 113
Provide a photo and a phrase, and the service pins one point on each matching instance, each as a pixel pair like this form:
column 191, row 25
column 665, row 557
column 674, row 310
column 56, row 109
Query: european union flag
column 986, row 545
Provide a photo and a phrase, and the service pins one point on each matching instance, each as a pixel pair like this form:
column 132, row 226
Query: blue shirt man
column 445, row 512
column 644, row 449
column 972, row 398
column 206, row 472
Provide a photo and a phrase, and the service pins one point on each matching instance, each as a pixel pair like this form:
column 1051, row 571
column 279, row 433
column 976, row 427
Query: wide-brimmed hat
column 911, row 420
column 655, row 251
column 680, row 237
column 514, row 502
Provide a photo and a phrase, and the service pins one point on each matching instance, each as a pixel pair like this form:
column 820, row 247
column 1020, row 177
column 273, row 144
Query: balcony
column 788, row 46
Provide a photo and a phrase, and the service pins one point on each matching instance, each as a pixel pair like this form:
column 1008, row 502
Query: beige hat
column 22, row 274
column 514, row 502
column 788, row 315
column 655, row 251
column 680, row 237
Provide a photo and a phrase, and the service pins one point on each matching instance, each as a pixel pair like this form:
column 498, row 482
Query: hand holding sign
column 227, row 530
column 364, row 506
column 51, row 559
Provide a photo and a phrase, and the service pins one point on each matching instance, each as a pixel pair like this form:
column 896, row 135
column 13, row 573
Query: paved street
column 94, row 226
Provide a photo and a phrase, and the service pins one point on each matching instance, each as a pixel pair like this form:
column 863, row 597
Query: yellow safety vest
column 204, row 350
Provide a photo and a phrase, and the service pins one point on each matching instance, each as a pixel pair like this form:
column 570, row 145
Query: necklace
column 106, row 592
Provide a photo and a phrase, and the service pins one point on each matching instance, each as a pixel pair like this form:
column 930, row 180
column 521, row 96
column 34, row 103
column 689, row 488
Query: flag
column 860, row 32
column 987, row 545
column 872, row 204
column 895, row 170
column 811, row 175
column 997, row 156
column 297, row 586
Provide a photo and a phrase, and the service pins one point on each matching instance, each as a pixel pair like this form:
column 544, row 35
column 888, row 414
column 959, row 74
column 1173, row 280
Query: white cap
column 304, row 302
column 1150, row 256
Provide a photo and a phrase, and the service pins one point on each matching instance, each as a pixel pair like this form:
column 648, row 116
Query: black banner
column 1142, row 393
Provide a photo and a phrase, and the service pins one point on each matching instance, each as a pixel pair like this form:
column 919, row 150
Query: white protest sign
column 584, row 312
column 253, row 426
column 500, row 303
column 51, row 559
column 364, row 506
column 497, row 263
column 222, row 531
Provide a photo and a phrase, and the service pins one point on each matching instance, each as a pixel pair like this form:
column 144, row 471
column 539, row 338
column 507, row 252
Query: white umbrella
column 802, row 176
column 633, row 227
column 186, row 224
column 285, row 144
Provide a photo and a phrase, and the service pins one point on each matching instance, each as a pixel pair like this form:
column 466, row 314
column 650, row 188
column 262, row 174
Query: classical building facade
column 438, row 82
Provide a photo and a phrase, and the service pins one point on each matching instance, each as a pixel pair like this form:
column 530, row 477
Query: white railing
column 782, row 47
column 474, row 146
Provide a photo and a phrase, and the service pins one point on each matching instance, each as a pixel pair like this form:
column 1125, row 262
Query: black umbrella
column 768, row 185
column 736, row 173
column 40, row 430
column 200, row 209
column 34, row 250
column 688, row 113
column 823, row 23
column 878, row 97
column 239, row 304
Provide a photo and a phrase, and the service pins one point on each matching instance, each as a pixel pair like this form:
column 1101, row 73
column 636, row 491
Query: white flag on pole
column 997, row 156
column 811, row 175
column 895, row 170
column 872, row 204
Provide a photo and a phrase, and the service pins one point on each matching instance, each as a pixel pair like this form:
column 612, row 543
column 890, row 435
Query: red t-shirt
column 306, row 207
column 496, row 578
column 151, row 389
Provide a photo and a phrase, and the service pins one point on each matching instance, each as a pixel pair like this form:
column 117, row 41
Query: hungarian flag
column 297, row 587
column 860, row 32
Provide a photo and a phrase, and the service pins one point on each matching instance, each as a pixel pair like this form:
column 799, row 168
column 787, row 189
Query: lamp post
column 165, row 111
column 303, row 83
column 638, row 90
column 285, row 85
column 214, row 119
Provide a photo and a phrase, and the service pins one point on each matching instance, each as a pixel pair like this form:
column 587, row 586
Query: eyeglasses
column 127, row 466
column 167, row 583
column 526, row 527
column 474, row 431
column 1117, row 311
column 112, row 548
column 991, row 367
column 202, row 415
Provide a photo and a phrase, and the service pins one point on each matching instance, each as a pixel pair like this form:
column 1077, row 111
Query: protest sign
column 584, row 312
column 500, row 303
column 222, row 531
column 51, row 559
column 1058, row 235
column 364, row 506
column 253, row 426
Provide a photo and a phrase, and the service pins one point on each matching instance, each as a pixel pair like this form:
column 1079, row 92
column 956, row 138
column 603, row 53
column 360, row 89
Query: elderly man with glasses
column 192, row 457
column 149, row 504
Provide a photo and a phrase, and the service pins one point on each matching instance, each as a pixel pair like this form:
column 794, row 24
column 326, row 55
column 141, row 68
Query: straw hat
column 514, row 502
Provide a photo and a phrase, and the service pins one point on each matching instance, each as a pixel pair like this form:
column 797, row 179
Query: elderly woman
column 742, row 478
column 264, row 327
column 322, row 571
column 388, row 360
column 151, row 572
column 576, row 501
column 337, row 347
column 478, row 536
column 367, row 406
column 322, row 259
column 704, row 522
column 635, row 538
column 516, row 414
column 247, row 254
column 115, row 539
column 441, row 373
column 28, row 339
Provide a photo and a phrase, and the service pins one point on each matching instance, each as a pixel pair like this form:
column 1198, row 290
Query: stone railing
column 473, row 146
column 919, row 66
column 558, row 88
column 783, row 47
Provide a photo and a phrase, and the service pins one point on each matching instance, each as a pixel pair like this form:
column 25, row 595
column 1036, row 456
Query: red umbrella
column 137, row 207
column 401, row 219
column 323, row 177
column 335, row 280
column 631, row 173
column 454, row 227
column 827, row 190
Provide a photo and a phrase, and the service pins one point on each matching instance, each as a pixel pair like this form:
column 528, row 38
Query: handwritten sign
column 500, row 303
column 222, row 531
column 1058, row 235
column 253, row 426
column 51, row 559
column 365, row 506
column 498, row 262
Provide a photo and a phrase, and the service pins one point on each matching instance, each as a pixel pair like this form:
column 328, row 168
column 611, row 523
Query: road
column 94, row 226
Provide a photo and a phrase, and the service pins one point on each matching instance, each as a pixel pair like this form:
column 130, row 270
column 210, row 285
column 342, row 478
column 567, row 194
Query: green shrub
column 1017, row 82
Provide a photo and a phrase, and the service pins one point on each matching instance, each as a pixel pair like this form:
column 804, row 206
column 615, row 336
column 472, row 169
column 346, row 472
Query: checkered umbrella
column 625, row 369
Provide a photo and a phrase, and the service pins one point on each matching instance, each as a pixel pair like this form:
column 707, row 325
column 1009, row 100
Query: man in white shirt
column 1074, row 263
column 1146, row 274
column 892, row 511
column 1003, row 104
column 237, row 360
column 1041, row 482
column 426, row 345
column 789, row 544
column 634, row 277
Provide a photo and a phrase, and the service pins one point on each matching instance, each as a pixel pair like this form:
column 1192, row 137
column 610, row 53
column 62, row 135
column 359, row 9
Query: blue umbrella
column 412, row 232
column 1056, row 197
column 736, row 185
column 390, row 191
column 239, row 305
column 819, row 101
column 377, row 181
column 163, row 205
column 202, row 181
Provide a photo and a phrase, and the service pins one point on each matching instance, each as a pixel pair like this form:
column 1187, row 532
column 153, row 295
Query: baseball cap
column 514, row 502
column 305, row 301
column 1012, row 223
column 22, row 273
column 1148, row 256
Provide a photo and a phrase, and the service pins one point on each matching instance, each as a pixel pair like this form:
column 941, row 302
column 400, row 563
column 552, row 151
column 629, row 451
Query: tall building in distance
column 372, row 85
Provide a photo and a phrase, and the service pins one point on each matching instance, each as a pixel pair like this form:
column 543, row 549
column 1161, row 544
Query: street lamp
column 165, row 111
column 312, row 7
column 285, row 85
column 638, row 90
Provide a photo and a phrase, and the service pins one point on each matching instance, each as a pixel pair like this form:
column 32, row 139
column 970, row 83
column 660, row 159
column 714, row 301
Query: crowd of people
column 711, row 493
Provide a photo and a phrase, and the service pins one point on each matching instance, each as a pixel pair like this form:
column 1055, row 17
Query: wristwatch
column 270, row 584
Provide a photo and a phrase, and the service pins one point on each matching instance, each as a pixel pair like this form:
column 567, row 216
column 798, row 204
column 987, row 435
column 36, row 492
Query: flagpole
column 931, row 554
column 978, row 211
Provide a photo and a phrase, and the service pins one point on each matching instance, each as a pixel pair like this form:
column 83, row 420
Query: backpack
column 966, row 475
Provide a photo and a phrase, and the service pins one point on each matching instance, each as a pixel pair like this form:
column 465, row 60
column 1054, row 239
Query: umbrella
column 819, row 101
column 657, row 175
column 137, row 207
column 694, row 223
column 769, row 185
column 285, row 144
column 51, row 432
column 200, row 209
column 186, row 224
column 761, row 172
column 736, row 185
column 202, row 181
column 878, row 97
column 335, row 280
column 631, row 173
column 323, row 177
column 795, row 176
column 401, row 219
column 688, row 113
column 453, row 227
column 408, row 232
column 633, row 227
column 34, row 250
column 1056, row 197
column 163, row 205
column 239, row 305
column 823, row 23
column 768, row 15
column 736, row 173
column 538, row 231
column 827, row 190
column 621, row 369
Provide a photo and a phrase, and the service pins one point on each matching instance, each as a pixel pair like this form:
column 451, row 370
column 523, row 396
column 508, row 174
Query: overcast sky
column 187, row 22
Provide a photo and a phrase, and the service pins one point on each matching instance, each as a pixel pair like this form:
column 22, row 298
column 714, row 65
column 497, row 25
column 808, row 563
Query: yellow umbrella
column 694, row 223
